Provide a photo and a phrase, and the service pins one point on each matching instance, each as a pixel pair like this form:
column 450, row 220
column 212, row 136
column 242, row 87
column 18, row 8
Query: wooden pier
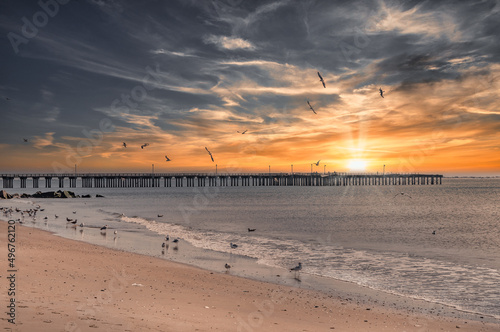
column 130, row 180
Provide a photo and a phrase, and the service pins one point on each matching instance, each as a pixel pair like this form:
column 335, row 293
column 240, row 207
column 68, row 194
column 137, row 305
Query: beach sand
column 67, row 285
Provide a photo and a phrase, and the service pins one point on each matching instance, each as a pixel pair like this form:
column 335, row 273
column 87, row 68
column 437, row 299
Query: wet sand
column 67, row 285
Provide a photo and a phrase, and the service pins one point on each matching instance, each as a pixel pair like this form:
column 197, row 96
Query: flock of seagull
column 244, row 131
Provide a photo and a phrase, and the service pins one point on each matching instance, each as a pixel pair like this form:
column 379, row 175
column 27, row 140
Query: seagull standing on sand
column 227, row 266
column 233, row 246
column 381, row 92
column 251, row 229
column 210, row 153
column 296, row 269
column 105, row 227
column 312, row 109
column 322, row 80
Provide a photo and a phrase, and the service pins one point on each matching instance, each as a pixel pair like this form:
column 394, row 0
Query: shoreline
column 115, row 290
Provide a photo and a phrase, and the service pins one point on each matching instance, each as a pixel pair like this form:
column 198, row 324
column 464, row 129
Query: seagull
column 312, row 109
column 46, row 218
column 82, row 224
column 55, row 215
column 7, row 98
column 175, row 240
column 433, row 232
column 251, row 229
column 115, row 232
column 381, row 92
column 167, row 158
column 68, row 219
column 124, row 144
column 144, row 145
column 227, row 266
column 322, row 80
column 74, row 221
column 297, row 268
column 243, row 132
column 160, row 215
column 317, row 164
column 163, row 245
column 74, row 212
column 167, row 238
column 233, row 246
column 105, row 227
column 404, row 194
column 25, row 140
column 210, row 153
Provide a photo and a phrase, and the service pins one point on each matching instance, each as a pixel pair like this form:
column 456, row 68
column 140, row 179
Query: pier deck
column 129, row 180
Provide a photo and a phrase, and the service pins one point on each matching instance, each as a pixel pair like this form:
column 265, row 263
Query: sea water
column 439, row 243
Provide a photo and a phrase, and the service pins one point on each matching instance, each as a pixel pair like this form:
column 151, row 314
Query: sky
column 80, row 78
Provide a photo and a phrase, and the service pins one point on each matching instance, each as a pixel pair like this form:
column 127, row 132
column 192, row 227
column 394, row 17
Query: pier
column 131, row 180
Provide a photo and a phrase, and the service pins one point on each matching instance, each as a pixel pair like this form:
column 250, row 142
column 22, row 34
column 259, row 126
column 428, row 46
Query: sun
column 357, row 165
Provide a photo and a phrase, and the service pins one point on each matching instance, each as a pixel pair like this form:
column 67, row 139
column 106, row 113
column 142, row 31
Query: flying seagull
column 317, row 164
column 144, row 145
column 322, row 80
column 7, row 98
column 243, row 132
column 210, row 153
column 25, row 140
column 312, row 109
column 167, row 158
column 381, row 92
column 124, row 144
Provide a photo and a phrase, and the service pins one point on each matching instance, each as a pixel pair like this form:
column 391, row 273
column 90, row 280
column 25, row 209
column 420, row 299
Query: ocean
column 438, row 243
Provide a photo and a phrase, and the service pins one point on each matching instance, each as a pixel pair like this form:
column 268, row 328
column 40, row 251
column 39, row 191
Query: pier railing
column 129, row 180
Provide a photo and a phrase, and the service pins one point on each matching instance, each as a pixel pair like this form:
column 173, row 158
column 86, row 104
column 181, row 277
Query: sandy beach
column 66, row 285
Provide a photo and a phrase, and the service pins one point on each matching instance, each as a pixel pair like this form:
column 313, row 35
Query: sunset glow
column 357, row 165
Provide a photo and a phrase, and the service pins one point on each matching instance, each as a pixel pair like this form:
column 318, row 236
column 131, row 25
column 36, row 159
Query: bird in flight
column 210, row 153
column 312, row 109
column 167, row 158
column 317, row 164
column 25, row 140
column 381, row 92
column 322, row 80
column 403, row 194
column 144, row 145
column 242, row 131
column 124, row 144
column 7, row 98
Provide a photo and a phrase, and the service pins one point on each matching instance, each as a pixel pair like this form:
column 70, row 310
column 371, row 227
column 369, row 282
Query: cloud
column 43, row 142
column 229, row 43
